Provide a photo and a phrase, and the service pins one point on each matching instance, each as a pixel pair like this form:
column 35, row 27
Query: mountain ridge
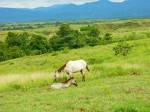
column 102, row 9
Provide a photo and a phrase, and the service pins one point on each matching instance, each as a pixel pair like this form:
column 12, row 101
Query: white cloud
column 39, row 3
column 44, row 3
column 117, row 1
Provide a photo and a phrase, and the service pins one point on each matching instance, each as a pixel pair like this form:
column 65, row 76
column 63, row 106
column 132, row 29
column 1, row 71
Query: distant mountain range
column 102, row 9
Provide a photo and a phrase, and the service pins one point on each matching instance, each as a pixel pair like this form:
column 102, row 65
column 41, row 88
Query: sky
column 43, row 3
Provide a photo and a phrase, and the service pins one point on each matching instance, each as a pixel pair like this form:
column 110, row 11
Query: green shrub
column 66, row 50
column 66, row 37
column 14, row 52
column 18, row 39
column 3, row 56
column 122, row 48
column 107, row 38
column 92, row 34
column 38, row 43
column 15, row 86
column 3, row 51
column 35, row 52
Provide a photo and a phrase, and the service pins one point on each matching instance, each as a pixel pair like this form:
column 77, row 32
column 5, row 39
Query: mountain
column 102, row 9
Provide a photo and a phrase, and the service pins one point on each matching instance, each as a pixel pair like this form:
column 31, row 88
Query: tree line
column 21, row 44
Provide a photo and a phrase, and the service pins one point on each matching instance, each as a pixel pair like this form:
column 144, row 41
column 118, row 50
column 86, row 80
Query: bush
column 80, row 41
column 92, row 35
column 38, row 43
column 14, row 52
column 122, row 48
column 66, row 38
column 107, row 38
column 18, row 39
column 3, row 51
column 11, row 39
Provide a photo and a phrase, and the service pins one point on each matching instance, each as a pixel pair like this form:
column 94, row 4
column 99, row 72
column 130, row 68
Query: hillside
column 113, row 83
column 102, row 9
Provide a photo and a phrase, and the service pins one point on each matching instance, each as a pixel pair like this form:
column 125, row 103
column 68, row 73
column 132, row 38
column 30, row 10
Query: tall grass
column 37, row 71
column 24, row 82
column 114, row 83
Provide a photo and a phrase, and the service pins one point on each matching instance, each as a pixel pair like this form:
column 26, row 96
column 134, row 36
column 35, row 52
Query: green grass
column 114, row 84
column 116, row 27
column 95, row 95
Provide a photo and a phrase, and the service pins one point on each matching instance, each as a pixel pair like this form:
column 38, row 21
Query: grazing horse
column 65, row 84
column 72, row 67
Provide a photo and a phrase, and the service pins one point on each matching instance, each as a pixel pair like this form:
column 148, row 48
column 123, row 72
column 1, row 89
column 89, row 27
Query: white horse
column 72, row 67
column 65, row 84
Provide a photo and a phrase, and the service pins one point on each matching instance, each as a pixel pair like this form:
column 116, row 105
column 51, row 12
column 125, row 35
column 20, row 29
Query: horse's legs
column 83, row 75
column 55, row 78
column 69, row 75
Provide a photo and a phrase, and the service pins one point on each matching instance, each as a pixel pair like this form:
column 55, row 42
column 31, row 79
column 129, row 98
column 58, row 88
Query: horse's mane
column 61, row 68
column 68, row 80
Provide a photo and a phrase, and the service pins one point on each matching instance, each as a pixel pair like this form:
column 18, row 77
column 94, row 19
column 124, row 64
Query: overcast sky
column 43, row 3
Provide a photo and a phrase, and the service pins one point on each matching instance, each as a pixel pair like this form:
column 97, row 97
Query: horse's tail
column 87, row 68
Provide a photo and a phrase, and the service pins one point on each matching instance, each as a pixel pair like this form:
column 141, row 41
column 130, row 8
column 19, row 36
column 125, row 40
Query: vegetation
column 114, row 83
column 123, row 48
column 67, row 36
column 20, row 44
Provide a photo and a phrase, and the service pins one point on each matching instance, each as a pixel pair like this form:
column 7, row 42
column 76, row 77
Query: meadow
column 114, row 83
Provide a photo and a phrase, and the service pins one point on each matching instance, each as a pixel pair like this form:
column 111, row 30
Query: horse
column 72, row 67
column 65, row 84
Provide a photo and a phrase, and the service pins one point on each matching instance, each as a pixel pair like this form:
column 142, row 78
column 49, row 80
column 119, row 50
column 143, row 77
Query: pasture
column 114, row 83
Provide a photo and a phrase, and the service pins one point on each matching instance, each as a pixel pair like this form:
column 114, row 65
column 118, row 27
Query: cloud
column 117, row 1
column 39, row 3
column 44, row 3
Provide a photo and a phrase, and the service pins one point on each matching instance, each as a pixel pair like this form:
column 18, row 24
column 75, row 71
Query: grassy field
column 116, row 27
column 114, row 83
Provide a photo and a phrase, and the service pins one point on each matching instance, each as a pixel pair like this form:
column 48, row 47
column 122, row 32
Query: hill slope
column 102, row 9
column 114, row 84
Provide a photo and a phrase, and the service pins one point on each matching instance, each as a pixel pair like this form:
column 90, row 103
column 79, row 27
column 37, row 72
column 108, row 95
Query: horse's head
column 73, row 81
column 56, row 74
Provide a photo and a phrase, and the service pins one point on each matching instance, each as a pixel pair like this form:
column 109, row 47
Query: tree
column 39, row 43
column 14, row 52
column 92, row 35
column 24, row 41
column 18, row 39
column 66, row 37
column 3, row 51
column 11, row 39
column 80, row 40
column 64, row 30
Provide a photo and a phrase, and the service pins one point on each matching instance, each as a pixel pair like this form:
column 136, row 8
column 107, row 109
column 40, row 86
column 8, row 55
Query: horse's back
column 78, row 62
column 76, row 65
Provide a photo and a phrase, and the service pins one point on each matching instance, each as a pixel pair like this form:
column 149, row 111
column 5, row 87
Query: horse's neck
column 61, row 68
